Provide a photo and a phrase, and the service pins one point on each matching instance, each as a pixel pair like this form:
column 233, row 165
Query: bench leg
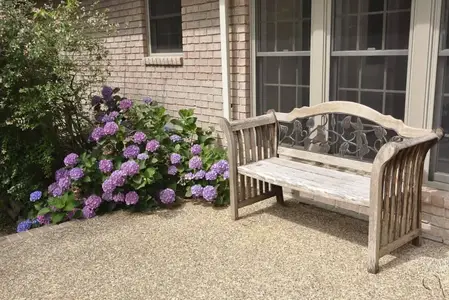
column 279, row 194
column 417, row 241
column 374, row 237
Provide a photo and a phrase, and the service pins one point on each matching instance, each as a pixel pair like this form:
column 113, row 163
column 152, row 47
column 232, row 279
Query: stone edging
column 21, row 236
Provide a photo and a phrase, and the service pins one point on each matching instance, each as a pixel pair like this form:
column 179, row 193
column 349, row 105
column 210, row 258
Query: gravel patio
column 196, row 252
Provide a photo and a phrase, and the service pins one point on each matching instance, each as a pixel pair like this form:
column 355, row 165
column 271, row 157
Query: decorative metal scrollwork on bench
column 337, row 134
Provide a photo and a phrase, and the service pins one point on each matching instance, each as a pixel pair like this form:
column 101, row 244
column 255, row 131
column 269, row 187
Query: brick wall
column 435, row 214
column 197, row 82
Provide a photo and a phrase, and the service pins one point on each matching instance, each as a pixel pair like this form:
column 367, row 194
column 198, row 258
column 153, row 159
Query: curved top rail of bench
column 354, row 109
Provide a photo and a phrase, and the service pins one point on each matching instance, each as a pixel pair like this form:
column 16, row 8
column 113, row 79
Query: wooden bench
column 366, row 161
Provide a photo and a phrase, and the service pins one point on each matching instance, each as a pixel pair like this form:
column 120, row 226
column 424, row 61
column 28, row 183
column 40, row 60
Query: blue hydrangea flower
column 118, row 177
column 131, row 151
column 24, row 225
column 209, row 193
column 220, row 167
column 93, row 202
column 106, row 91
column 36, row 195
column 95, row 100
column 147, row 100
column 108, row 186
column 175, row 138
column 61, row 173
column 226, row 175
column 175, row 158
column 172, row 170
column 97, row 134
column 64, row 183
column 197, row 191
column 195, row 163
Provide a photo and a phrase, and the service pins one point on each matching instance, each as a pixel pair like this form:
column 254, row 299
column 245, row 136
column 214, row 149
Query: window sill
column 168, row 60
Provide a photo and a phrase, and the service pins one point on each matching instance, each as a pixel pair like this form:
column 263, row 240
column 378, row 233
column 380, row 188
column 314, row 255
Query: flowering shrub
column 136, row 162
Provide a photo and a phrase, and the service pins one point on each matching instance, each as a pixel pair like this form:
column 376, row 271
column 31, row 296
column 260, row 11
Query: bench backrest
column 339, row 133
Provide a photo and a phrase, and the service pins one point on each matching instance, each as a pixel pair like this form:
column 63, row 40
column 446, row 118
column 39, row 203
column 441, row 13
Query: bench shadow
column 350, row 229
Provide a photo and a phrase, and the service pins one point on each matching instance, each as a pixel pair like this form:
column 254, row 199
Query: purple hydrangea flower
column 167, row 196
column 88, row 212
column 211, row 175
column 61, row 173
column 36, row 195
column 57, row 191
column 195, row 163
column 119, row 197
column 131, row 198
column 71, row 214
column 199, row 175
column 221, row 166
column 110, row 128
column 147, row 100
column 152, row 146
column 189, row 176
column 131, row 151
column 130, row 168
column 97, row 134
column 139, row 137
column 175, row 138
column 95, row 100
column 197, row 191
column 93, row 201
column 118, row 178
column 108, row 186
column 71, row 159
column 195, row 149
column 175, row 158
column 107, row 196
column 105, row 165
column 24, row 225
column 109, row 117
column 44, row 219
column 107, row 92
column 51, row 187
column 64, row 183
column 209, row 193
column 172, row 170
column 226, row 175
column 76, row 173
column 125, row 104
column 142, row 156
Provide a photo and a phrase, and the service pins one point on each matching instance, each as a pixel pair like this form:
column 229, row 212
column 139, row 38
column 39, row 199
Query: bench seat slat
column 324, row 182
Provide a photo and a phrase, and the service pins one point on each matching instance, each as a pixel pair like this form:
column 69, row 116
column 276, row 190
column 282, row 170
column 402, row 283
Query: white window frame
column 148, row 29
column 422, row 62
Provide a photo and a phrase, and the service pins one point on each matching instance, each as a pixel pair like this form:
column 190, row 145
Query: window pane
column 370, row 36
column 344, row 95
column 399, row 4
column 348, row 71
column 285, row 10
column 288, row 99
column 373, row 72
column 372, row 99
column 398, row 26
column 396, row 73
column 345, row 37
column 166, row 35
column 271, row 98
column 285, row 36
column 270, row 69
column 267, row 11
column 267, row 37
column 395, row 105
column 344, row 7
column 166, row 7
column 443, row 145
column 302, row 36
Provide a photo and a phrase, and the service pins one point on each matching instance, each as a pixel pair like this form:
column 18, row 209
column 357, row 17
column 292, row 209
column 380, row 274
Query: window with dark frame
column 369, row 53
column 282, row 54
column 165, row 26
column 440, row 155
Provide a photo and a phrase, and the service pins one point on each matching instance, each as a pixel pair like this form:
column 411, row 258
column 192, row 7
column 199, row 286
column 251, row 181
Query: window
column 282, row 54
column 369, row 53
column 440, row 162
column 165, row 26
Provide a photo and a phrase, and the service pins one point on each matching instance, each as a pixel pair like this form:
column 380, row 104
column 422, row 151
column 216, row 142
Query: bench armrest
column 251, row 139
column 396, row 190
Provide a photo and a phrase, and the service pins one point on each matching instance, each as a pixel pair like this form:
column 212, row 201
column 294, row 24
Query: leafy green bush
column 141, row 159
column 49, row 62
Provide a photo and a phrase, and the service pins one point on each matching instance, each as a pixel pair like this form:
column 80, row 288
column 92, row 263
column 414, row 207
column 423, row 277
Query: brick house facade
column 194, row 79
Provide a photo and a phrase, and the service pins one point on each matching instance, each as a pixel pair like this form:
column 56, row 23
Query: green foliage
column 49, row 61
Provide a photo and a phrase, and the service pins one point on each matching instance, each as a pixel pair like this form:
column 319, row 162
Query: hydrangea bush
column 140, row 159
